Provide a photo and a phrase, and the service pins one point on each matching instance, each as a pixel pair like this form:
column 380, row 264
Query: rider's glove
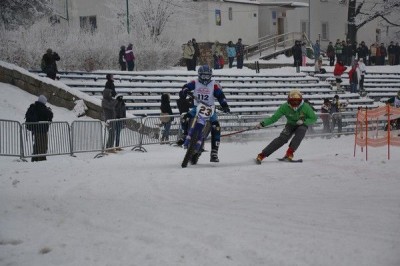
column 226, row 109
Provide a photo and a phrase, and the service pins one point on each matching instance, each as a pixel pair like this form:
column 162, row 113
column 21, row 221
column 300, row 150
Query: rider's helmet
column 295, row 98
column 205, row 74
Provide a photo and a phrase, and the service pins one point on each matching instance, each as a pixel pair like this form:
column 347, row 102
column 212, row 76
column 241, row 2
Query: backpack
column 31, row 117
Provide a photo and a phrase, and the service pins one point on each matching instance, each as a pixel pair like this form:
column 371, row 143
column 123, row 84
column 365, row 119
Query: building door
column 281, row 28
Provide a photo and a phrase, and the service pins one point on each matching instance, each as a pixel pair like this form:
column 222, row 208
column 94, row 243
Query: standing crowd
column 191, row 53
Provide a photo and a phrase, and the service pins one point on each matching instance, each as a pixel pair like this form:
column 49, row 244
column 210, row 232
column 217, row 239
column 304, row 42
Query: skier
column 206, row 89
column 299, row 116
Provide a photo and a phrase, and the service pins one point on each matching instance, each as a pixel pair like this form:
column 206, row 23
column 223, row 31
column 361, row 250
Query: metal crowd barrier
column 45, row 139
column 97, row 136
column 10, row 138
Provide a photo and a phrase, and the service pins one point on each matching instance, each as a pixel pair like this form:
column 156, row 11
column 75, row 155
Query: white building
column 223, row 20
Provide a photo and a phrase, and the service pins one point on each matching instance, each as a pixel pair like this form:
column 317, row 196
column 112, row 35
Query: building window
column 230, row 13
column 324, row 31
column 88, row 24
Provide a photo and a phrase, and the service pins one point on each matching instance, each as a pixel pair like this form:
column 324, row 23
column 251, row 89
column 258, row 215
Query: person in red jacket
column 338, row 71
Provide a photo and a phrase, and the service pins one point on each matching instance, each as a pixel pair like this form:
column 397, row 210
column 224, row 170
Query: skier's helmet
column 205, row 74
column 295, row 98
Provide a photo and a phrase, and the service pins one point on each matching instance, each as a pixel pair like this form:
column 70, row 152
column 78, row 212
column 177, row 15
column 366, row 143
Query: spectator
column 231, row 52
column 188, row 53
column 121, row 58
column 296, row 51
column 338, row 50
column 338, row 72
column 353, row 78
column 362, row 52
column 196, row 54
column 38, row 112
column 382, row 54
column 336, row 109
column 362, row 71
column 330, row 52
column 216, row 52
column 392, row 53
column 130, row 57
column 397, row 54
column 318, row 69
column 317, row 50
column 353, row 51
column 372, row 54
column 325, row 115
column 395, row 100
column 109, row 112
column 303, row 54
column 49, row 65
column 346, row 53
column 120, row 113
column 110, row 84
column 239, row 53
column 166, row 119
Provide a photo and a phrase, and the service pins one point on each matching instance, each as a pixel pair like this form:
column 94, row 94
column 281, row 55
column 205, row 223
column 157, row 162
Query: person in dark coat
column 121, row 58
column 49, row 65
column 330, row 52
column 297, row 53
column 130, row 57
column 40, row 131
column 108, row 104
column 239, row 53
column 166, row 118
column 196, row 54
column 120, row 112
column 110, row 84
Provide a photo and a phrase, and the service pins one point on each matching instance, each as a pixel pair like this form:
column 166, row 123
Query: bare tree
column 14, row 14
column 365, row 11
column 155, row 14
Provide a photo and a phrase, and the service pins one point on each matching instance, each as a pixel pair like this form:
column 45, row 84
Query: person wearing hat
column 299, row 116
column 39, row 112
column 336, row 109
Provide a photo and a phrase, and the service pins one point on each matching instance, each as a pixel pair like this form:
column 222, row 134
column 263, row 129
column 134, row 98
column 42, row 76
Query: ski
column 290, row 161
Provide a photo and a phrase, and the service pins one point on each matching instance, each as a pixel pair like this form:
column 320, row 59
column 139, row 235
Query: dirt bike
column 198, row 131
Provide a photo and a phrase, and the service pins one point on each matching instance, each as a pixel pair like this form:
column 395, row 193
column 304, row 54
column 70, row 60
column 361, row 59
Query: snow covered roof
column 287, row 4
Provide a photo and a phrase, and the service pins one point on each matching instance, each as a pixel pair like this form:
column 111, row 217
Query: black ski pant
column 298, row 131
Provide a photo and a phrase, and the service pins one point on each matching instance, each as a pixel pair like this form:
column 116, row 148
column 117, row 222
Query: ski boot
column 260, row 157
column 214, row 156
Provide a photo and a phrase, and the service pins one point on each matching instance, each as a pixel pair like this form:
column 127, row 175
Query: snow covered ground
column 135, row 208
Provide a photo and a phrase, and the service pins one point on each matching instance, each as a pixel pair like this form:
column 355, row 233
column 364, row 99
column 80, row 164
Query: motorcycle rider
column 205, row 88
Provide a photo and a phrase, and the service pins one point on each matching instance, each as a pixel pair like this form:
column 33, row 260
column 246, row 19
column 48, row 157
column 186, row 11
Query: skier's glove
column 299, row 122
column 260, row 125
column 226, row 109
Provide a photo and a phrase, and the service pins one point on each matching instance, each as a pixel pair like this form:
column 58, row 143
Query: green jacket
column 304, row 112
